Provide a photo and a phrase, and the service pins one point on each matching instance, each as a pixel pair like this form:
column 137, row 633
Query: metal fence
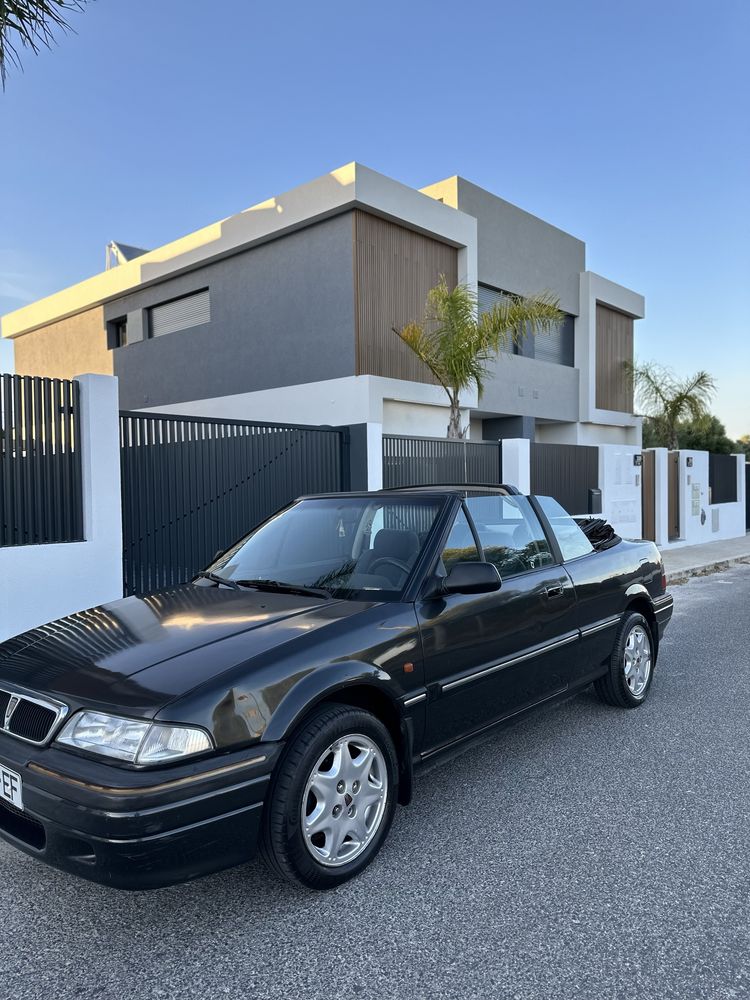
column 421, row 461
column 192, row 486
column 566, row 472
column 41, row 496
column 722, row 478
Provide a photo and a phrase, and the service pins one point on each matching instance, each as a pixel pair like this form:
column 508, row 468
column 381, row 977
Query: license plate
column 10, row 787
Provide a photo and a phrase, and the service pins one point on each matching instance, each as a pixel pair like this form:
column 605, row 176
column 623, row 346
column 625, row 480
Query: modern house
column 286, row 311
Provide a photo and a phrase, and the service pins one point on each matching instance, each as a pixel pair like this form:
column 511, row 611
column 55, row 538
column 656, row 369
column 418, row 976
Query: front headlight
column 132, row 740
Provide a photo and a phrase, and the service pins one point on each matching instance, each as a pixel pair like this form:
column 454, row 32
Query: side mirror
column 472, row 578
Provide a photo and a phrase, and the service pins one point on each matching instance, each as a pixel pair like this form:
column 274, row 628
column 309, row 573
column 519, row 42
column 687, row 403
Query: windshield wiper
column 285, row 588
column 215, row 578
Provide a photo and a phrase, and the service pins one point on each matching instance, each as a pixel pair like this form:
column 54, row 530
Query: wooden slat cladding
column 614, row 346
column 394, row 268
column 648, row 495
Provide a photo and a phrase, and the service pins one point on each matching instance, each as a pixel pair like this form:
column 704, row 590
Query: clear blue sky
column 626, row 124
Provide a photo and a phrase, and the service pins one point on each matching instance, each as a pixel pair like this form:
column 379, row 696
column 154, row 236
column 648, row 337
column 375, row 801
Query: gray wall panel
column 281, row 314
column 519, row 252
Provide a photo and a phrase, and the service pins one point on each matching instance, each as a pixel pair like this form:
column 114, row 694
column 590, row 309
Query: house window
column 179, row 314
column 557, row 346
column 487, row 298
column 117, row 332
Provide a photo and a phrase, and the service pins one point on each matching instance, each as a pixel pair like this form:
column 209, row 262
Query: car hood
column 103, row 657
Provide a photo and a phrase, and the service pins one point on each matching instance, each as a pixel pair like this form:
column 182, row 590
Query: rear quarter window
column 572, row 541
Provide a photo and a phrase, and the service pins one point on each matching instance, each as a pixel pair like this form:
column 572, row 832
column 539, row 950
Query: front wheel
column 631, row 666
column 332, row 799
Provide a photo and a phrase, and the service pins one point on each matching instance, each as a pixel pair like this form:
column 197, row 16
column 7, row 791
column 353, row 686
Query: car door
column 599, row 578
column 488, row 656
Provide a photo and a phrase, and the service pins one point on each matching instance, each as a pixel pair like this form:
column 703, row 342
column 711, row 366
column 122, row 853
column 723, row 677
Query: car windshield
column 356, row 547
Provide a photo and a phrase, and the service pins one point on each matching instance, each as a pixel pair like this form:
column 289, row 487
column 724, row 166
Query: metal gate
column 191, row 486
column 566, row 472
column 648, row 495
column 41, row 487
column 422, row 461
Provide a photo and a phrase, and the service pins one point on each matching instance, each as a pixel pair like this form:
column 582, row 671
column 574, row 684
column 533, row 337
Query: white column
column 50, row 581
column 517, row 463
column 374, row 456
column 100, row 460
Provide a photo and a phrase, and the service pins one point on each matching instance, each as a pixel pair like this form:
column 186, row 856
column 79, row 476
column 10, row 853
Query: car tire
column 631, row 667
column 319, row 831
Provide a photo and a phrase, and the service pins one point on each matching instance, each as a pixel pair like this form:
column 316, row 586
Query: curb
column 705, row 569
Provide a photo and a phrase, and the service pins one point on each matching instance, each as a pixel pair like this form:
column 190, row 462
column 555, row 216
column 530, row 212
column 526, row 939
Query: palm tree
column 457, row 345
column 30, row 24
column 669, row 399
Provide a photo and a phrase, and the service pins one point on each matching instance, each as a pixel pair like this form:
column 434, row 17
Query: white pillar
column 374, row 456
column 517, row 463
column 100, row 460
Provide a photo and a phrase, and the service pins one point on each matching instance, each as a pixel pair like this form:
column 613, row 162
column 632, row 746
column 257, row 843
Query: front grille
column 31, row 721
column 21, row 826
column 29, row 718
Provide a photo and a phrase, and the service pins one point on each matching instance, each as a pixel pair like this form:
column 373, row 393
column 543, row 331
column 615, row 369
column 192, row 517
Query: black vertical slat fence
column 566, row 472
column 41, row 493
column 722, row 478
column 192, row 486
column 421, row 461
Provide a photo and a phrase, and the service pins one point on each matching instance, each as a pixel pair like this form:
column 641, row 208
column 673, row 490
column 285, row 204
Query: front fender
column 322, row 683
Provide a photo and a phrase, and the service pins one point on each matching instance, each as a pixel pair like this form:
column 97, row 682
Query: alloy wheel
column 637, row 660
column 344, row 800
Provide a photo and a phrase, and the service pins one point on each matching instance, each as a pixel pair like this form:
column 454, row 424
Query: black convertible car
column 284, row 698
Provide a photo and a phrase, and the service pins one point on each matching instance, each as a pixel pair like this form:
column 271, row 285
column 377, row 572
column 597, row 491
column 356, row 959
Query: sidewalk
column 694, row 560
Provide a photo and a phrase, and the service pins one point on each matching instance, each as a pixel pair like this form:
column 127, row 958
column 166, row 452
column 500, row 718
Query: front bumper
column 136, row 829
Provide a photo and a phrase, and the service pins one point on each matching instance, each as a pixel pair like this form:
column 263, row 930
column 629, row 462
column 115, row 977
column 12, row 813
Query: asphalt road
column 587, row 852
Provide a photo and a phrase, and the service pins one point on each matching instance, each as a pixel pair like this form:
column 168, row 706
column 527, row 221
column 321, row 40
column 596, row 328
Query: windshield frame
column 407, row 592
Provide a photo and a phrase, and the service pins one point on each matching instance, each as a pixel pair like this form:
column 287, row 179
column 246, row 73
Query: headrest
column 399, row 544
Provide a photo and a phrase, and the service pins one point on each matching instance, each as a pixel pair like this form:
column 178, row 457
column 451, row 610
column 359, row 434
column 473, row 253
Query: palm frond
column 31, row 24
column 458, row 347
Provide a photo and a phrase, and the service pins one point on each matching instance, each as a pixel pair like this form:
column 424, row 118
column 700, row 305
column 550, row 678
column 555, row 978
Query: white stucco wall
column 401, row 407
column 701, row 521
column 517, row 463
column 620, row 483
column 44, row 582
column 590, row 434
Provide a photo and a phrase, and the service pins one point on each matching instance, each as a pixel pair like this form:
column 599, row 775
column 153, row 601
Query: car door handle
column 556, row 591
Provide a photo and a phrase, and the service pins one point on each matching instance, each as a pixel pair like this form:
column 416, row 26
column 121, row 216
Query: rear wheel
column 332, row 799
column 631, row 666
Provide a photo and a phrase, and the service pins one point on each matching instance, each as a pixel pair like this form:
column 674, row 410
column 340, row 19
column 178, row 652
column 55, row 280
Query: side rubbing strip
column 510, row 661
column 415, row 700
column 600, row 626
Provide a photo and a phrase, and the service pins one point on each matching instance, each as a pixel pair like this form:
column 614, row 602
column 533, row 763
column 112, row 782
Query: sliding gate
column 192, row 486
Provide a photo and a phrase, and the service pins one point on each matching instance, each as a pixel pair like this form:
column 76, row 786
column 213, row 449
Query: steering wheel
column 402, row 566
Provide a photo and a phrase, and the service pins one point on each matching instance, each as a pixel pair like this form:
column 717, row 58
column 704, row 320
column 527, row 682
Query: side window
column 570, row 538
column 510, row 533
column 460, row 546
